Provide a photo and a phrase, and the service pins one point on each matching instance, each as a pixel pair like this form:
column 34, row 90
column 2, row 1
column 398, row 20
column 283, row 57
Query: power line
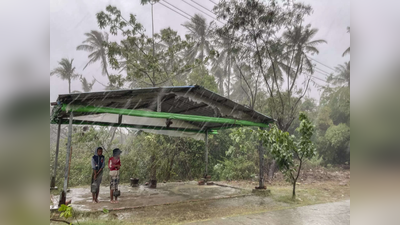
column 320, row 85
column 322, row 71
column 178, row 9
column 309, row 57
column 316, row 78
column 201, row 11
column 318, row 70
column 322, row 64
column 174, row 10
column 203, row 7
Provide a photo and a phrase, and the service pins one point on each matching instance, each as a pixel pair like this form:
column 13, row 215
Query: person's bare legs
column 111, row 196
column 94, row 197
column 97, row 195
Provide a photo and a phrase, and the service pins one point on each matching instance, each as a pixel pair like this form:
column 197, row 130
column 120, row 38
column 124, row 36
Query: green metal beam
column 140, row 113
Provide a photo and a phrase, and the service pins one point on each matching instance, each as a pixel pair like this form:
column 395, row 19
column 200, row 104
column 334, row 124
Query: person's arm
column 104, row 163
column 109, row 164
column 118, row 164
column 102, row 166
column 94, row 166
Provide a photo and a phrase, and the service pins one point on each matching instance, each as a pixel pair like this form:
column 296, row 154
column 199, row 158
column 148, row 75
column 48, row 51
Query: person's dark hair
column 116, row 151
column 99, row 148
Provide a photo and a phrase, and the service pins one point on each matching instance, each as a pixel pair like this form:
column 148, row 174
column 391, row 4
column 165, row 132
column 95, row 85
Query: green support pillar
column 64, row 191
column 206, row 151
column 53, row 178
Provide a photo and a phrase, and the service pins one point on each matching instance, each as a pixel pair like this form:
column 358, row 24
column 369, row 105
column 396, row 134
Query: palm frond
column 88, row 48
column 346, row 52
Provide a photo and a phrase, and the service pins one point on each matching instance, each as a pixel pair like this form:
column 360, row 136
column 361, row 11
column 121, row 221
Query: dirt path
column 327, row 214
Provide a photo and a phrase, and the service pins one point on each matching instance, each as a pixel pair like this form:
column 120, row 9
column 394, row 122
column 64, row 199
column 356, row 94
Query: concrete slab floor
column 131, row 197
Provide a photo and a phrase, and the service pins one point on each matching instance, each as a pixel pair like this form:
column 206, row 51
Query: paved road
column 323, row 214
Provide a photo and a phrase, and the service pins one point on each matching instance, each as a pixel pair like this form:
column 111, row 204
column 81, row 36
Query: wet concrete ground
column 131, row 197
column 336, row 213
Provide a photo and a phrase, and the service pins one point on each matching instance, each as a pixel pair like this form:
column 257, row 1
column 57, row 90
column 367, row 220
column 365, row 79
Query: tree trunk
column 221, row 85
column 69, row 86
column 69, row 165
column 153, row 171
column 294, row 190
column 271, row 171
column 229, row 76
column 170, row 169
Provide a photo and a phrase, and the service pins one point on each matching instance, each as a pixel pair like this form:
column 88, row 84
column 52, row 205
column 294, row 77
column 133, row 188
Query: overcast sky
column 70, row 19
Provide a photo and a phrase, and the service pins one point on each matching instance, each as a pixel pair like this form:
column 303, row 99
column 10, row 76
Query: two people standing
column 114, row 164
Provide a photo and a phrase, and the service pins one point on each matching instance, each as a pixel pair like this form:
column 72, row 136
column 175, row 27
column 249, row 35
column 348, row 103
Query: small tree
column 288, row 152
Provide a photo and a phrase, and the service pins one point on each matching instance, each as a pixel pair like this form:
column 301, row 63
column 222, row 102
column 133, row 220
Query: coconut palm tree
column 278, row 64
column 94, row 44
column 65, row 71
column 348, row 49
column 343, row 75
column 300, row 43
column 200, row 33
column 222, row 65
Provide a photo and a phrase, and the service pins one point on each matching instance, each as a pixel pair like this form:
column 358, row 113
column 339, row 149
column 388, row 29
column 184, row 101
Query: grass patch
column 310, row 194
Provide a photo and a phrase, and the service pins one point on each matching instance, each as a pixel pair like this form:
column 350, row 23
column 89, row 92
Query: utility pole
column 152, row 36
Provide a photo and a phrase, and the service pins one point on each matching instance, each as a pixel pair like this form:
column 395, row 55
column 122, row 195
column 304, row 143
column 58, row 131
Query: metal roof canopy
column 193, row 110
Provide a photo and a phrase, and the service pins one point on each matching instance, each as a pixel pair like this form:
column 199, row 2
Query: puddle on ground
column 165, row 193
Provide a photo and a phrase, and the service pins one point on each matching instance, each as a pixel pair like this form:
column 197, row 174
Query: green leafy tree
column 290, row 152
column 335, row 145
column 324, row 120
column 144, row 67
column 200, row 76
column 65, row 71
column 272, row 37
column 333, row 120
column 241, row 158
column 310, row 108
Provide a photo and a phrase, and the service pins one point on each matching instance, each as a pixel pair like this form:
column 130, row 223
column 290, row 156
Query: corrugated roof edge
column 193, row 87
column 201, row 87
column 122, row 90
